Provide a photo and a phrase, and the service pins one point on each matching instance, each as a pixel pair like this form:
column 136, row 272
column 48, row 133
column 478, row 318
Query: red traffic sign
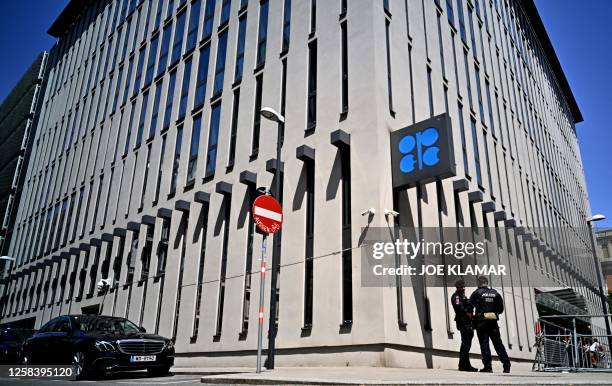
column 268, row 214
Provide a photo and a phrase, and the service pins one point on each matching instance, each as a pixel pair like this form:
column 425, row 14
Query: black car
column 11, row 344
column 96, row 344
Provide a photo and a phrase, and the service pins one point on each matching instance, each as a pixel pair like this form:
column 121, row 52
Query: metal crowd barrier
column 568, row 343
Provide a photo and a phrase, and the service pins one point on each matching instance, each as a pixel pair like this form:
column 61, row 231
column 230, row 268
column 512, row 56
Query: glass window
column 128, row 81
column 257, row 116
column 177, row 47
column 185, row 90
column 177, row 158
column 234, row 129
column 129, row 129
column 312, row 85
column 192, row 32
column 151, row 61
column 240, row 49
column 160, row 169
column 213, row 140
column 220, row 66
column 155, row 113
column 141, row 121
column 194, row 149
column 163, row 54
column 226, row 6
column 286, row 25
column 263, row 33
column 209, row 14
column 461, row 20
column 169, row 99
column 200, row 91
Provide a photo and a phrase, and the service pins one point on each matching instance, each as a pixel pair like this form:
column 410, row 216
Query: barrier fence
column 573, row 343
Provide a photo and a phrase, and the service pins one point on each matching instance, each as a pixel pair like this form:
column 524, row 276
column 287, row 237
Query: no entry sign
column 268, row 214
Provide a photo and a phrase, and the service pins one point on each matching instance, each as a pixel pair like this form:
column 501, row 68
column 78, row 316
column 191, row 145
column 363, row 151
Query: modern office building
column 604, row 241
column 18, row 118
column 150, row 149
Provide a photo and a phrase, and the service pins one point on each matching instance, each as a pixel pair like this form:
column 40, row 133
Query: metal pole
column 602, row 297
column 262, row 284
column 575, row 342
column 275, row 259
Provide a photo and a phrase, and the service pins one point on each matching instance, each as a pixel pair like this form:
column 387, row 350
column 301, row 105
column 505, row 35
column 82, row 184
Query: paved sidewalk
column 521, row 375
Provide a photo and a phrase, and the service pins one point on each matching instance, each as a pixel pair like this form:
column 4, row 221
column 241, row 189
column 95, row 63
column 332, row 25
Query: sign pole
column 262, row 276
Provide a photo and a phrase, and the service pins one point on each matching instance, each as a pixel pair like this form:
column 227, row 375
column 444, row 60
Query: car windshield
column 105, row 324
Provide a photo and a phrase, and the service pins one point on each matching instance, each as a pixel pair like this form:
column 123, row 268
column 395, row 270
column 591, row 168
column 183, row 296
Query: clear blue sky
column 579, row 30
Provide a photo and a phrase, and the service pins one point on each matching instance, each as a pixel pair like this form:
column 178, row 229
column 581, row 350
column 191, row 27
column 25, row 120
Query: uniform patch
column 457, row 300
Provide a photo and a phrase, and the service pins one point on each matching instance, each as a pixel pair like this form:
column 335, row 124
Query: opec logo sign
column 422, row 152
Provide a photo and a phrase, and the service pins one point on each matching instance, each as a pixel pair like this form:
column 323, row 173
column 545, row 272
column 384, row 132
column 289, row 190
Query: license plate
column 143, row 358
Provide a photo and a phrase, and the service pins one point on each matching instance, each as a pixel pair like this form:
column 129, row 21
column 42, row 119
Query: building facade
column 150, row 149
column 18, row 118
column 604, row 242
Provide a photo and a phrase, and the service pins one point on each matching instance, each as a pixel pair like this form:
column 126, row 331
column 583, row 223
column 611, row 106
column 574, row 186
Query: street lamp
column 272, row 115
column 603, row 298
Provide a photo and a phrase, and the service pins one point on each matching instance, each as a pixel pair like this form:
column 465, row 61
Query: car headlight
column 169, row 345
column 103, row 345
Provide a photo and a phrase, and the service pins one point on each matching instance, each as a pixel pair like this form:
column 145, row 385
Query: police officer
column 463, row 318
column 488, row 304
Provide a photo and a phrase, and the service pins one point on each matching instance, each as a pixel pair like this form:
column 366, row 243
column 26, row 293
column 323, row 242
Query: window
column 179, row 285
column 246, row 295
column 479, row 94
column 169, row 101
column 163, row 54
column 467, row 78
column 158, row 12
column 155, row 113
column 226, row 6
column 286, row 25
column 177, row 47
column 220, row 66
column 185, row 90
column 476, row 152
column 347, row 264
column 129, row 129
column 141, row 121
column 192, row 32
column 312, row 85
column 200, row 91
column 344, row 68
column 209, row 14
column 201, row 258
column 262, row 34
column 78, row 213
column 151, row 61
column 449, row 12
column 138, row 78
column 461, row 20
column 117, row 89
column 257, row 116
column 177, row 158
column 308, row 263
column 313, row 16
column 234, row 129
column 162, row 251
column 170, row 8
column 430, row 92
column 131, row 258
column 240, row 49
column 463, row 141
column 194, row 149
column 389, row 82
column 213, row 140
column 226, row 207
column 472, row 33
column 128, row 81
column 97, row 203
column 146, row 253
column 160, row 169
column 145, row 178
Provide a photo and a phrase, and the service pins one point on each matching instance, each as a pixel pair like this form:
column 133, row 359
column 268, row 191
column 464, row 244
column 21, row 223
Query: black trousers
column 467, row 333
column 491, row 331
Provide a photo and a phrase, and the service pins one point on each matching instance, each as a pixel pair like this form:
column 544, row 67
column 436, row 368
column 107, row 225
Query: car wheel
column 159, row 371
column 78, row 363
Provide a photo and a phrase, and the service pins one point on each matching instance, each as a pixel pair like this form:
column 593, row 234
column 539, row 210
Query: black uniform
column 464, row 325
column 484, row 300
